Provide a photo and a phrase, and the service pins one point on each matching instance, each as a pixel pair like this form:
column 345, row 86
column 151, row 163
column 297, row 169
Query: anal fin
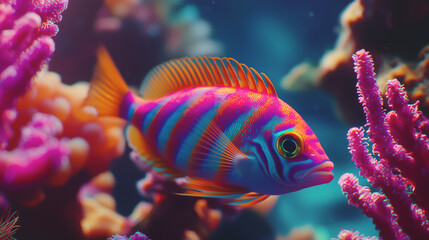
column 139, row 144
column 249, row 199
column 237, row 196
column 202, row 188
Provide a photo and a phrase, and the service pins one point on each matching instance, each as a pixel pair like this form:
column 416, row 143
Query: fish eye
column 290, row 144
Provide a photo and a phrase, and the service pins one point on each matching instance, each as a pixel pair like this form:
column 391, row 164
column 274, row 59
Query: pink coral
column 400, row 140
column 24, row 50
column 25, row 46
column 49, row 144
column 36, row 157
column 350, row 235
column 64, row 140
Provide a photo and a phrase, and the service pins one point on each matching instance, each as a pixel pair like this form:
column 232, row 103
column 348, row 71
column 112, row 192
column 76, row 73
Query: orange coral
column 389, row 29
column 94, row 141
column 415, row 78
column 100, row 218
column 90, row 142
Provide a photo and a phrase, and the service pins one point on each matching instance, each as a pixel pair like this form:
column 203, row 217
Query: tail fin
column 107, row 88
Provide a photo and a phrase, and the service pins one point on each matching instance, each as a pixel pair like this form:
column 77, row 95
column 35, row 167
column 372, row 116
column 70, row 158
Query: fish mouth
column 318, row 174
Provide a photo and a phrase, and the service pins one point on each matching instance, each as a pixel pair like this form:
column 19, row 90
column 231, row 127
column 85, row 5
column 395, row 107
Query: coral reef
column 26, row 46
column 350, row 235
column 51, row 113
column 391, row 30
column 414, row 77
column 136, row 236
column 400, row 140
column 192, row 216
column 100, row 218
column 50, row 145
column 55, row 138
column 26, row 29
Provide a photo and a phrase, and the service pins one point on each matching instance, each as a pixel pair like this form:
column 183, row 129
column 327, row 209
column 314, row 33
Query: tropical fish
column 218, row 124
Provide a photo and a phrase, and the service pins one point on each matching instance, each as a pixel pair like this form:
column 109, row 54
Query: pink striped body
column 173, row 126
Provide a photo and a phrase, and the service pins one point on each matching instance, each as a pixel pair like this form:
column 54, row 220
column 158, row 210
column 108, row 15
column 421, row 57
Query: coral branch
column 25, row 47
column 373, row 205
column 37, row 156
column 399, row 140
column 136, row 236
column 371, row 101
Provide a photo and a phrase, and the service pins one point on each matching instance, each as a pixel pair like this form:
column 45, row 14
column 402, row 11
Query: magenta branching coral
column 37, row 154
column 25, row 46
column 26, row 28
column 136, row 236
column 400, row 141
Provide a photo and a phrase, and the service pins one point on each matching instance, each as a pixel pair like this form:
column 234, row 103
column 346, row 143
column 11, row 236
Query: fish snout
column 316, row 174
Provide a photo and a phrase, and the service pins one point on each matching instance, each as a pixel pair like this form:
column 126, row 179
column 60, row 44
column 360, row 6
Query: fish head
column 304, row 162
column 290, row 156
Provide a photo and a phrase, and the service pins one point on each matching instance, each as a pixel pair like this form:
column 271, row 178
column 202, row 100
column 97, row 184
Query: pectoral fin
column 214, row 151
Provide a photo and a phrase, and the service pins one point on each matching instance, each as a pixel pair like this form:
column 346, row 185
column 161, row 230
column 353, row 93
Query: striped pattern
column 178, row 128
column 215, row 121
column 179, row 122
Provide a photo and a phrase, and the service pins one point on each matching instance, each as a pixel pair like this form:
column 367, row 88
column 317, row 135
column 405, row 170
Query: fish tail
column 108, row 92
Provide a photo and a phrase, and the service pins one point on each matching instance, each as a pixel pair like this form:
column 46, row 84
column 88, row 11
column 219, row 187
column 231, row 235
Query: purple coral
column 26, row 28
column 399, row 139
column 136, row 236
column 25, row 47
column 37, row 156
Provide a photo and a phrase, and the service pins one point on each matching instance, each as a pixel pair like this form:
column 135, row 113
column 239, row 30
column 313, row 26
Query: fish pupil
column 289, row 146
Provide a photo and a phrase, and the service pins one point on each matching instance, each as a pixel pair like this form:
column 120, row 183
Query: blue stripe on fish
column 234, row 128
column 170, row 122
column 264, row 160
column 148, row 118
column 274, row 164
column 183, row 160
column 132, row 110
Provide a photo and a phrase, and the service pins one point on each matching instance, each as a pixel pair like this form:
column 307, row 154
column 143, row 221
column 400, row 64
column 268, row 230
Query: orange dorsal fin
column 176, row 75
column 139, row 144
column 107, row 88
